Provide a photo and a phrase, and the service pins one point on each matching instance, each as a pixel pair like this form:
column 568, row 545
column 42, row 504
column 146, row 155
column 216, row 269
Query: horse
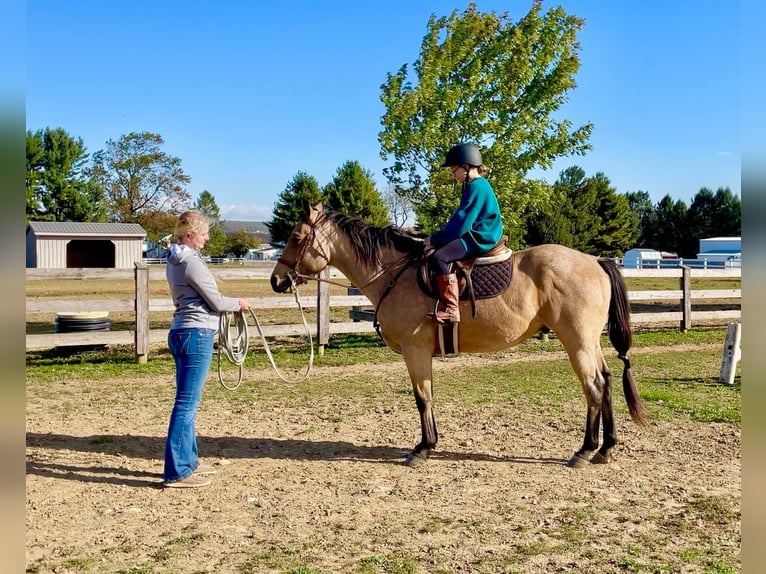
column 553, row 287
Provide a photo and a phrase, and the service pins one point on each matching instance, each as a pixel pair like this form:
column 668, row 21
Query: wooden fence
column 142, row 305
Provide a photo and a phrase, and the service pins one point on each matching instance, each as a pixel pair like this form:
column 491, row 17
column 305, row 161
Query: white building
column 62, row 244
column 641, row 257
column 720, row 249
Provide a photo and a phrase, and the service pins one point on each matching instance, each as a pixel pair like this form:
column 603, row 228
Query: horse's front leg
column 419, row 366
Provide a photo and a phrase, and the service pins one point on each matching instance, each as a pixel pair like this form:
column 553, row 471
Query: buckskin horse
column 552, row 287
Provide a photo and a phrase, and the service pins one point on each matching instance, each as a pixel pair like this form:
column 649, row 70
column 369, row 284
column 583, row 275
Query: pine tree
column 352, row 191
column 300, row 192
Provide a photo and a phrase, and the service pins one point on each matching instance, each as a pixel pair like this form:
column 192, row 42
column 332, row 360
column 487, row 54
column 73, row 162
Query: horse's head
column 303, row 255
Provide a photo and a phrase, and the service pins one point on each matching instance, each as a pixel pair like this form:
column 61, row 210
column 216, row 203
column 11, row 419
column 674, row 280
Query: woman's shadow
column 152, row 447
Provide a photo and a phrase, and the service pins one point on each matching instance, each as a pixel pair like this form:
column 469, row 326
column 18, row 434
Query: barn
column 641, row 257
column 720, row 249
column 62, row 244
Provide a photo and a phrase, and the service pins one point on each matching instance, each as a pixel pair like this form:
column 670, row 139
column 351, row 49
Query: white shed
column 720, row 249
column 640, row 257
column 62, row 244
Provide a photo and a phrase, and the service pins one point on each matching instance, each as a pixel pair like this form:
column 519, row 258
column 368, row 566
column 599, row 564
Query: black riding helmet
column 461, row 154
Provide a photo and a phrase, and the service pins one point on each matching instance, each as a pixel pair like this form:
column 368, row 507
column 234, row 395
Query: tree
column 218, row 243
column 484, row 80
column 399, row 206
column 302, row 190
column 207, row 206
column 618, row 227
column 157, row 224
column 352, row 191
column 58, row 188
column 138, row 177
column 640, row 204
column 241, row 242
column 586, row 214
column 671, row 227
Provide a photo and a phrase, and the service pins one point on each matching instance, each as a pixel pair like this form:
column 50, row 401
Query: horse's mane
column 369, row 241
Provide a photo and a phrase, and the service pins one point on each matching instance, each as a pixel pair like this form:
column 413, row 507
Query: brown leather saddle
column 481, row 277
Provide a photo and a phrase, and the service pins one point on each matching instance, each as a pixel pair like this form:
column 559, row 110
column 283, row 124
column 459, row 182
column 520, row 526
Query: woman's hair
column 189, row 221
column 482, row 169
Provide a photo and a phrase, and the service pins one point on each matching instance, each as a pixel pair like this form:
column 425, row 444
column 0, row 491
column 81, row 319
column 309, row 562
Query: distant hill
column 251, row 227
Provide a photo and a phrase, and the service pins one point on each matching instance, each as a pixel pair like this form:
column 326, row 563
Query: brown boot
column 448, row 310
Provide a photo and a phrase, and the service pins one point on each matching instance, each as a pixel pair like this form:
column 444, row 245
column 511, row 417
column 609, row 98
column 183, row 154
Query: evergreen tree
column 218, row 244
column 352, row 191
column 641, row 207
column 58, row 188
column 618, row 228
column 671, row 227
column 300, row 192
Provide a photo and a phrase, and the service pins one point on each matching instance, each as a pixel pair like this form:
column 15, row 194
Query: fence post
column 323, row 311
column 686, row 300
column 142, row 312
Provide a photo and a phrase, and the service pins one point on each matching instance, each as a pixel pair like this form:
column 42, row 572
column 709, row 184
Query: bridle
column 306, row 242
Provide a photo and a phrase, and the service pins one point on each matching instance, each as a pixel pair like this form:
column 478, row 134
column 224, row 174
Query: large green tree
column 352, row 191
column 58, row 187
column 585, row 213
column 483, row 79
column 640, row 204
column 671, row 232
column 138, row 176
column 303, row 189
column 618, row 227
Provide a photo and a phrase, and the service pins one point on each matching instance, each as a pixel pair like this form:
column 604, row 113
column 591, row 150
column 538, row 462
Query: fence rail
column 142, row 305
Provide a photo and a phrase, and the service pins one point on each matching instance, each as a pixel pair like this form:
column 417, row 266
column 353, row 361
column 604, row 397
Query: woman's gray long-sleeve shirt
column 195, row 294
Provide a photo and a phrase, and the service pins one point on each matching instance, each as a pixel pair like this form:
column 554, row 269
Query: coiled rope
column 235, row 347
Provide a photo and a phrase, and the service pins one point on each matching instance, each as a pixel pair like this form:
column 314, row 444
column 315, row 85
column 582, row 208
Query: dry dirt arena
column 321, row 489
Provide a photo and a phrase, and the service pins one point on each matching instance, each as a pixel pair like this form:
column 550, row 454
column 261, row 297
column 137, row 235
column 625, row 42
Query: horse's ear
column 312, row 213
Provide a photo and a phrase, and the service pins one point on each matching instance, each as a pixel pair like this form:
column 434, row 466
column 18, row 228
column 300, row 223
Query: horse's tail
column 621, row 336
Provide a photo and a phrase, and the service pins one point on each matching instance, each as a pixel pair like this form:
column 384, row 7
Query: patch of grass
column 712, row 509
column 396, row 563
column 143, row 569
column 721, row 569
column 699, row 401
column 275, row 559
column 435, row 524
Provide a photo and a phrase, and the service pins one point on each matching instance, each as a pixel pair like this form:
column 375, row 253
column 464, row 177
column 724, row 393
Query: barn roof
column 83, row 228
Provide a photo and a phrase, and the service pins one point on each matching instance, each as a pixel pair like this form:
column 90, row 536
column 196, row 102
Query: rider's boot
column 448, row 310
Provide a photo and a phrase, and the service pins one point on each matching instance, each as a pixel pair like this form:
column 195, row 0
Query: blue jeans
column 192, row 350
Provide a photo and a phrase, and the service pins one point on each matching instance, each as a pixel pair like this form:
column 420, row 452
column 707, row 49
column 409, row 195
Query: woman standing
column 198, row 303
column 474, row 228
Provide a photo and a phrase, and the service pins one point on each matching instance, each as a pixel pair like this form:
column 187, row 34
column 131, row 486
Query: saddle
column 481, row 277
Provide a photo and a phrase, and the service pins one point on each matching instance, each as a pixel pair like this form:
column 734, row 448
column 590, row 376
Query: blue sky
column 247, row 93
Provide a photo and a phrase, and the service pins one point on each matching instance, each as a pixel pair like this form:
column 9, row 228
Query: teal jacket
column 476, row 221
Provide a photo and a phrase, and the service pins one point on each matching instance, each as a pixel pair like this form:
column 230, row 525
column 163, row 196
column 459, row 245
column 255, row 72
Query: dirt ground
column 322, row 489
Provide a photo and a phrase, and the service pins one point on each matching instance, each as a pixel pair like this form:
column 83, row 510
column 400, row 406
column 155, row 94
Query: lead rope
column 235, row 348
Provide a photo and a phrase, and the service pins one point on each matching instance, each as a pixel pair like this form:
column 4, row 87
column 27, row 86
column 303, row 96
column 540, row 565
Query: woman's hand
column 244, row 305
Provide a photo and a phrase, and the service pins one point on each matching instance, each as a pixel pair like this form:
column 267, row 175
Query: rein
column 235, row 349
column 308, row 240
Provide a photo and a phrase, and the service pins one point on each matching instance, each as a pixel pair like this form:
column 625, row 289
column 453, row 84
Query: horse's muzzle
column 282, row 286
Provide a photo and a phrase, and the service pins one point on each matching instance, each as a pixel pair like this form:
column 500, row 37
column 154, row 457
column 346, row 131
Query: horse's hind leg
column 604, row 454
column 593, row 385
column 419, row 366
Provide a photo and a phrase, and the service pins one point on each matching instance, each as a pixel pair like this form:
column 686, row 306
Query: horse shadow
column 139, row 447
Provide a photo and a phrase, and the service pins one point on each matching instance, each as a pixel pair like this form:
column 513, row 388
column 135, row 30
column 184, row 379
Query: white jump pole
column 731, row 354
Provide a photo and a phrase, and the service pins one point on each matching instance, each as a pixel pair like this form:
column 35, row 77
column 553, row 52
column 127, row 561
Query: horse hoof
column 599, row 458
column 577, row 462
column 414, row 461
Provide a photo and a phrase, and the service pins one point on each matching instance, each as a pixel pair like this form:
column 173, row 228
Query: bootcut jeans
column 192, row 351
